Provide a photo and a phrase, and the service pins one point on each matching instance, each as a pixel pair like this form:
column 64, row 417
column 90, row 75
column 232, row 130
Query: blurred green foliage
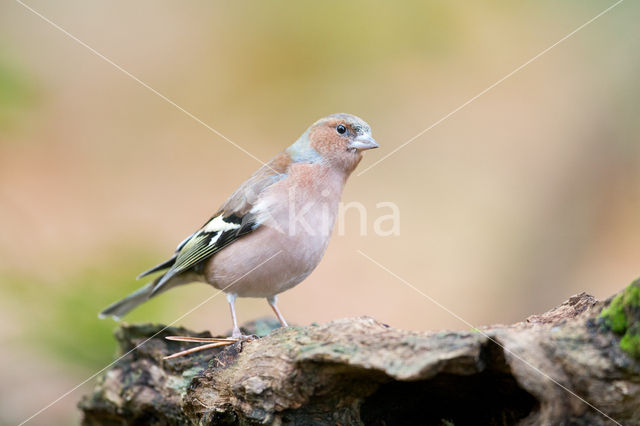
column 64, row 323
column 290, row 44
column 18, row 94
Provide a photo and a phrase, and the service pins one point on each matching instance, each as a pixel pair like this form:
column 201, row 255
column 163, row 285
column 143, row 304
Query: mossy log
column 360, row 371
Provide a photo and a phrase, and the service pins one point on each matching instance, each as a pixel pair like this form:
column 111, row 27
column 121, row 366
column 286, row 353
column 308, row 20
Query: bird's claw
column 246, row 337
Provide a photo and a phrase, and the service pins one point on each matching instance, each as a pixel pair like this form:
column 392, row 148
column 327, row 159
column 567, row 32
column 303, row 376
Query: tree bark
column 562, row 367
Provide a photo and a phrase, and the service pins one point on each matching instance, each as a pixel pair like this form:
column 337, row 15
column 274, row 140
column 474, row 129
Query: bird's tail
column 120, row 308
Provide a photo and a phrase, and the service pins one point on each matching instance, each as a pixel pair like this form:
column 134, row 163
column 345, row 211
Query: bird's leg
column 272, row 302
column 236, row 333
column 212, row 342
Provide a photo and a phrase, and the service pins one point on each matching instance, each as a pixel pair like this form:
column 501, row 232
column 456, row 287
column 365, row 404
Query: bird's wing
column 168, row 263
column 232, row 221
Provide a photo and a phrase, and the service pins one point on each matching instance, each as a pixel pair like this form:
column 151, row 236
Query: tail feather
column 120, row 308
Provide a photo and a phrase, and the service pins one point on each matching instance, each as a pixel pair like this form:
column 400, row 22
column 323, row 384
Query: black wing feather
column 204, row 244
column 164, row 265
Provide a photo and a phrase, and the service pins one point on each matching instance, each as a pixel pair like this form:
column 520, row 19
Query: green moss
column 632, row 295
column 615, row 316
column 622, row 316
column 181, row 383
column 264, row 327
column 630, row 343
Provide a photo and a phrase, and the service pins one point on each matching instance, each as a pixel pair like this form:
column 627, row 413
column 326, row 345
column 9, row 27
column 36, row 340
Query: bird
column 272, row 232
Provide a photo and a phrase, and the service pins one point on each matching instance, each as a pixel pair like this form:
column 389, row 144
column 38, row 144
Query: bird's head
column 338, row 139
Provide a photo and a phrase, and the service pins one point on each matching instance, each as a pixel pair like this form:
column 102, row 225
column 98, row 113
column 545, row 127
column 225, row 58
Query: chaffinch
column 274, row 229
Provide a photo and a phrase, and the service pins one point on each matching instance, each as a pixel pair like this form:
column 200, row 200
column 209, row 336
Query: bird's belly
column 265, row 262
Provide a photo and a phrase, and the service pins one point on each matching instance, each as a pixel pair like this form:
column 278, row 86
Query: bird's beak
column 363, row 142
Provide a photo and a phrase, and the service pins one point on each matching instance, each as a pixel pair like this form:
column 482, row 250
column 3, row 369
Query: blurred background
column 525, row 197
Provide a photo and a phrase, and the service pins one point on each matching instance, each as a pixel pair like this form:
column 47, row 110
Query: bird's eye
column 341, row 129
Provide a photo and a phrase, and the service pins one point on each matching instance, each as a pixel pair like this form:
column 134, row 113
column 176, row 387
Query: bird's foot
column 210, row 342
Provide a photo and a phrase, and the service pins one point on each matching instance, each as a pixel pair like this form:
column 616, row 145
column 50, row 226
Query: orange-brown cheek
column 334, row 148
column 321, row 141
column 325, row 141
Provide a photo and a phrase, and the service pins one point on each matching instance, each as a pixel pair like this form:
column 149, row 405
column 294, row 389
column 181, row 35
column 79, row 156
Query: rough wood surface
column 360, row 371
